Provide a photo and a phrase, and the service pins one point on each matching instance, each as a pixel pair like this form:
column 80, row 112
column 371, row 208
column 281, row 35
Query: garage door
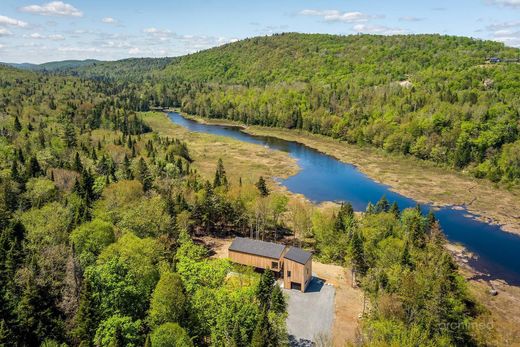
column 296, row 285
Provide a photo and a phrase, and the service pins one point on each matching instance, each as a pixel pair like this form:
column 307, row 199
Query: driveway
column 311, row 313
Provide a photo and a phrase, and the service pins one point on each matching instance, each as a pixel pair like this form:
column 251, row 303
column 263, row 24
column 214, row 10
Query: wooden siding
column 254, row 260
column 300, row 273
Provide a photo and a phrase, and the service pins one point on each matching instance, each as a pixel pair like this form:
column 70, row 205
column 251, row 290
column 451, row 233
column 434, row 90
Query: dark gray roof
column 257, row 247
column 298, row 255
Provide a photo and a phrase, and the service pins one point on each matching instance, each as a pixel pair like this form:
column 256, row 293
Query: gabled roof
column 298, row 255
column 257, row 247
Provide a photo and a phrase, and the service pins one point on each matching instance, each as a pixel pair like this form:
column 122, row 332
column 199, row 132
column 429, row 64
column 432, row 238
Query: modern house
column 297, row 269
column 293, row 263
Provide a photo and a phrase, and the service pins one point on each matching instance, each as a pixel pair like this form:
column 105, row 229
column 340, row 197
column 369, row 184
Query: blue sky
column 38, row 31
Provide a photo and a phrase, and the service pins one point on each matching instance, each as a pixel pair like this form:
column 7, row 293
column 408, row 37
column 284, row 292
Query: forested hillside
column 429, row 96
column 99, row 214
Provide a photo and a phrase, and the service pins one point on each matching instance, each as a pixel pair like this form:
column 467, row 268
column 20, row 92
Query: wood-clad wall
column 254, row 260
column 299, row 273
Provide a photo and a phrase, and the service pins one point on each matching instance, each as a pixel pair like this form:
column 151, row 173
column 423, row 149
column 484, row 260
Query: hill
column 429, row 96
column 335, row 59
column 434, row 97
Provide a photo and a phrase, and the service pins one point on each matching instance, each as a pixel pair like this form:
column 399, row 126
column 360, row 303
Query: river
column 324, row 178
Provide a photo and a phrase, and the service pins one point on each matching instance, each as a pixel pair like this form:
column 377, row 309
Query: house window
column 274, row 264
column 288, row 273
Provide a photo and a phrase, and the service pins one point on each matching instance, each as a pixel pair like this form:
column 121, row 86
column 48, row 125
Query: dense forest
column 429, row 96
column 100, row 216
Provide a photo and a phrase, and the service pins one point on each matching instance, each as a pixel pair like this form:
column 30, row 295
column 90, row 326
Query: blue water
column 324, row 178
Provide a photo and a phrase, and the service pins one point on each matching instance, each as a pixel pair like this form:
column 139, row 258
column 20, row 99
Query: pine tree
column 144, row 175
column 278, row 303
column 406, row 259
column 77, row 166
column 394, row 209
column 17, row 124
column 262, row 187
column 69, row 135
column 85, row 319
column 127, row 171
column 15, row 175
column 265, row 288
column 370, row 208
column 357, row 254
column 33, row 168
column 261, row 333
column 220, row 175
column 382, row 205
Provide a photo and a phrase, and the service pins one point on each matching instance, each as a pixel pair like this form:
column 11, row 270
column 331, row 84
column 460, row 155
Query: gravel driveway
column 310, row 313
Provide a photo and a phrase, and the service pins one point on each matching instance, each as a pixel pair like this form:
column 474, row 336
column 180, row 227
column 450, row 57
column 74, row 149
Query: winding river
column 324, row 178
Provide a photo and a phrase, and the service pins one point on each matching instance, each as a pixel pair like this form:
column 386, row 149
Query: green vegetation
column 98, row 212
column 96, row 217
column 415, row 295
column 428, row 96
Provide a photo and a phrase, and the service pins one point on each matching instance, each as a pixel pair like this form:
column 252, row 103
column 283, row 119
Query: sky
column 37, row 31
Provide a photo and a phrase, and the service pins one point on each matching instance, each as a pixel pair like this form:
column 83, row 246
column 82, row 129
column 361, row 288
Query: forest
column 432, row 97
column 100, row 215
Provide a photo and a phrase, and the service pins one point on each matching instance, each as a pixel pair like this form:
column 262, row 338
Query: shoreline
column 507, row 223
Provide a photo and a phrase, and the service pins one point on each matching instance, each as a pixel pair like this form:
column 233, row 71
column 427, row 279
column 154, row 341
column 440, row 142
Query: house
column 292, row 263
column 256, row 253
column 297, row 268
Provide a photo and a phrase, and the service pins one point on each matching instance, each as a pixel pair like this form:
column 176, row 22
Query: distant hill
column 332, row 58
column 54, row 65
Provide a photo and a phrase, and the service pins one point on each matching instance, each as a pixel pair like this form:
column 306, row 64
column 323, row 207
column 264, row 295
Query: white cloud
column 158, row 32
column 510, row 3
column 11, row 21
column 5, row 32
column 2, row 46
column 378, row 29
column 52, row 37
column 80, row 49
column 109, row 20
column 338, row 16
column 503, row 25
column 410, row 19
column 56, row 37
column 134, row 50
column 54, row 8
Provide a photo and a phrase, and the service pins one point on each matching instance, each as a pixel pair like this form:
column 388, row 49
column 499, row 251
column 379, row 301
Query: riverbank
column 422, row 181
column 501, row 308
column 242, row 160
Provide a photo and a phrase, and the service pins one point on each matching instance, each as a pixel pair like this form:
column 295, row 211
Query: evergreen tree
column 85, row 319
column 17, row 124
column 278, row 303
column 33, row 168
column 77, row 166
column 127, row 170
column 394, row 209
column 69, row 135
column 15, row 175
column 261, row 333
column 143, row 175
column 265, row 288
column 382, row 205
column 262, row 187
column 357, row 254
column 406, row 259
column 220, row 175
column 370, row 208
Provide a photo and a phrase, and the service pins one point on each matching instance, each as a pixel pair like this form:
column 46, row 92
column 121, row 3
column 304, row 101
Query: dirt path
column 348, row 303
